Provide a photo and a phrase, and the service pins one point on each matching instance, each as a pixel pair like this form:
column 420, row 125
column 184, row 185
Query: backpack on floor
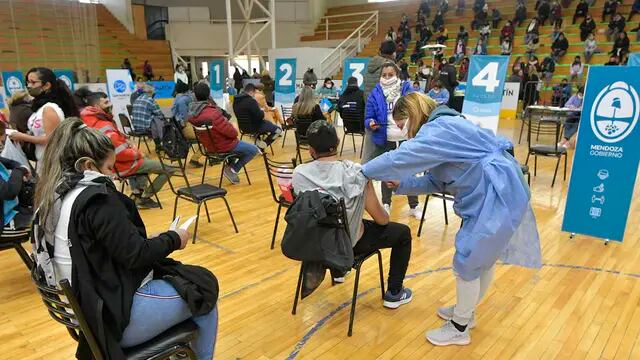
column 173, row 143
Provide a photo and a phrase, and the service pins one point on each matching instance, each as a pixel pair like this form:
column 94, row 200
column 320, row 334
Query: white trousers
column 469, row 294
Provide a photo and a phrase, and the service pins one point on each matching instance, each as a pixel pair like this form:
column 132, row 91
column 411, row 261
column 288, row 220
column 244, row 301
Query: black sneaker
column 147, row 203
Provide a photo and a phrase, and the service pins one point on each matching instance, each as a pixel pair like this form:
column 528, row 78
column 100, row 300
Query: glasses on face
column 32, row 83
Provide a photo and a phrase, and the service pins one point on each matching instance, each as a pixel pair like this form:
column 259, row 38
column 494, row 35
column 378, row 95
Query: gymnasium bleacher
column 63, row 35
column 390, row 14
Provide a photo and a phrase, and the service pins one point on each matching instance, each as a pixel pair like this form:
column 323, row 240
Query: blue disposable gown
column 490, row 193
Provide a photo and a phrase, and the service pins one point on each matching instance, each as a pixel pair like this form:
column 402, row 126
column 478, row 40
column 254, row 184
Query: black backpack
column 317, row 231
column 173, row 143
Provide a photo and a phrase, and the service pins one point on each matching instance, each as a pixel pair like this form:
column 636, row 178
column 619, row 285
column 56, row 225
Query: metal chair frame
column 546, row 126
column 357, row 266
column 132, row 133
column 192, row 198
column 353, row 125
column 214, row 157
column 274, row 170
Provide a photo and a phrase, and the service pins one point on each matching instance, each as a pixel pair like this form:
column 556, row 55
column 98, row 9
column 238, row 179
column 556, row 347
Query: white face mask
column 405, row 129
column 389, row 82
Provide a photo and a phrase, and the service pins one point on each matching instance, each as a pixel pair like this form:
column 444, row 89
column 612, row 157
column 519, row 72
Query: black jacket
column 246, row 107
column 617, row 25
column 582, row 8
column 195, row 284
column 448, row 77
column 587, row 26
column 351, row 101
column 111, row 256
column 560, row 44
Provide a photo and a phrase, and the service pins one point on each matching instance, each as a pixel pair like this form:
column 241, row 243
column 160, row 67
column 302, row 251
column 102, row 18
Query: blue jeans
column 245, row 152
column 156, row 307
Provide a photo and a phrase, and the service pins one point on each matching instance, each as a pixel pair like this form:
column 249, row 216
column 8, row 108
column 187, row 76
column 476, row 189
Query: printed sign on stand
column 12, row 81
column 509, row 105
column 634, row 59
column 120, row 87
column 483, row 95
column 355, row 67
column 66, row 76
column 216, row 81
column 605, row 163
column 285, row 90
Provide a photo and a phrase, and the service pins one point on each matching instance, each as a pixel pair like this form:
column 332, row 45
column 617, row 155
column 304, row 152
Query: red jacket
column 224, row 135
column 128, row 158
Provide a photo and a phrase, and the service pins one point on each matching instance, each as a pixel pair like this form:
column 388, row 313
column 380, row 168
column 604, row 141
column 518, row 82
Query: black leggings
column 393, row 235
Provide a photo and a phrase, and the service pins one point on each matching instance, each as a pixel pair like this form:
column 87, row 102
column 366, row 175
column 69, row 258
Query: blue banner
column 216, row 81
column 605, row 163
column 355, row 67
column 285, row 89
column 67, row 77
column 12, row 81
column 163, row 89
column 634, row 59
column 483, row 94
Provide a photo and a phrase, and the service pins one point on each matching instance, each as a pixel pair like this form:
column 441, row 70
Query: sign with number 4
column 483, row 96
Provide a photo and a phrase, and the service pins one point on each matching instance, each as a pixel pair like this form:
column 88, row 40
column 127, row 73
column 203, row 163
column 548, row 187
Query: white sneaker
column 340, row 280
column 416, row 212
column 448, row 335
column 446, row 313
column 387, row 208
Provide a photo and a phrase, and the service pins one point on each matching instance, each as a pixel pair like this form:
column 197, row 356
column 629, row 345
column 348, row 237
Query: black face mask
column 35, row 91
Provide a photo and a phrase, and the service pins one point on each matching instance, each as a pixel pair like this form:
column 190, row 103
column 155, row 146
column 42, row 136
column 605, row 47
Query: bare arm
column 50, row 121
column 373, row 207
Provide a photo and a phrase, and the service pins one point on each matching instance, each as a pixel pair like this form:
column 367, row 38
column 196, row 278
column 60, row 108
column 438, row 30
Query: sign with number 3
column 355, row 67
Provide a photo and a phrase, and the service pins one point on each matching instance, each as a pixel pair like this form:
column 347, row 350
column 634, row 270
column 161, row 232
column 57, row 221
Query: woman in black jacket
column 12, row 174
column 587, row 26
column 100, row 244
column 559, row 47
column 621, row 47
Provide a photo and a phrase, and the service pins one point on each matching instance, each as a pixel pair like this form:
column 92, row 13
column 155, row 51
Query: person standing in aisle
column 491, row 197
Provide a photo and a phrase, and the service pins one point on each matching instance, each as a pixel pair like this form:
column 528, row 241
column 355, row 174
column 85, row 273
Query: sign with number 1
column 285, row 89
column 216, row 81
column 483, row 95
column 355, row 67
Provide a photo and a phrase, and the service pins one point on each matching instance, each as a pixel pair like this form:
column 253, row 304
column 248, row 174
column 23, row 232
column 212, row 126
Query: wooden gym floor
column 583, row 303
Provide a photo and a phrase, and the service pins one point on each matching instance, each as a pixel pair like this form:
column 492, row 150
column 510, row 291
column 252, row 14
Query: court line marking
column 252, row 285
column 318, row 325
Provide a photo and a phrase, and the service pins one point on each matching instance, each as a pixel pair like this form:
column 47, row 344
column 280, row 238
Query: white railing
column 330, row 20
column 353, row 44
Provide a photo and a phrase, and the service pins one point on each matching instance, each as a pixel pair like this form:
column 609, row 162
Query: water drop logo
column 120, row 86
column 615, row 112
column 13, row 84
column 66, row 80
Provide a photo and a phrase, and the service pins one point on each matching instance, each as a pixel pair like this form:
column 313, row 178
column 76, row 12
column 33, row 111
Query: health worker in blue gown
column 447, row 152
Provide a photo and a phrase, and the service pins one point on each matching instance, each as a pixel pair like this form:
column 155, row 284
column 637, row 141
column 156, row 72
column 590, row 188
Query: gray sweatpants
column 469, row 294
